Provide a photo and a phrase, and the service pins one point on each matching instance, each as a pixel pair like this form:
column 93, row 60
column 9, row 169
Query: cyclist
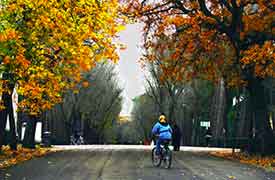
column 163, row 131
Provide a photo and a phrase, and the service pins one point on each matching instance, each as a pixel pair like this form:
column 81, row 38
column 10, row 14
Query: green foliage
column 144, row 115
column 126, row 133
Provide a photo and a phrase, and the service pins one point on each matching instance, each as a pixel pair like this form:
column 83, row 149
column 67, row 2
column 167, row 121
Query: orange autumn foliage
column 209, row 39
column 266, row 162
column 9, row 158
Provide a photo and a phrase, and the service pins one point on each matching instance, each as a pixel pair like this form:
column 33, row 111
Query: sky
column 130, row 73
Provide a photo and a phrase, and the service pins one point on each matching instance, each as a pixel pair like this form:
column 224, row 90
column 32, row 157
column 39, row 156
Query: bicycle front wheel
column 156, row 159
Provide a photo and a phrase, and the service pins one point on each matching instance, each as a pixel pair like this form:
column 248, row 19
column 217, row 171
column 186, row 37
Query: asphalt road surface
column 130, row 165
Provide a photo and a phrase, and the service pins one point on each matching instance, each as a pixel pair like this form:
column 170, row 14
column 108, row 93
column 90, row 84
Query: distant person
column 208, row 136
column 162, row 131
column 176, row 137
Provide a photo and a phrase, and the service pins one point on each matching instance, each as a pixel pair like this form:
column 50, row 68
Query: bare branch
column 159, row 11
column 155, row 8
column 179, row 5
column 226, row 4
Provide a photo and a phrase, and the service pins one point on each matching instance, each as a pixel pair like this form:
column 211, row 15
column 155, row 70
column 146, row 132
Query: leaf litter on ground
column 267, row 162
column 10, row 157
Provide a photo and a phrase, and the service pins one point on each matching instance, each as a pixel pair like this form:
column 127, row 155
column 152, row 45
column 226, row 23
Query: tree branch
column 157, row 12
column 155, row 8
column 206, row 11
column 221, row 26
column 226, row 4
column 234, row 4
column 179, row 5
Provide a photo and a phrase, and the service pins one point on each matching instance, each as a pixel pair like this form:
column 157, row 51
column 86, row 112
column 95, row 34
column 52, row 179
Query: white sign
column 205, row 124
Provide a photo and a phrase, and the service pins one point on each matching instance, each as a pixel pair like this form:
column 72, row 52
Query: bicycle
column 165, row 155
column 74, row 141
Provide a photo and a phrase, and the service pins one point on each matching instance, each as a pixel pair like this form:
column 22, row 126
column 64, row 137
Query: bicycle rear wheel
column 167, row 158
column 156, row 159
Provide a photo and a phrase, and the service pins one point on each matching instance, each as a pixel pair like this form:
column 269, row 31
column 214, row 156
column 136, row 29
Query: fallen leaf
column 231, row 177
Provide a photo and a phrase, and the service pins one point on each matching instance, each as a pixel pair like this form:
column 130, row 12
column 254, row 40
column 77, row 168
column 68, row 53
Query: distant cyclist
column 163, row 131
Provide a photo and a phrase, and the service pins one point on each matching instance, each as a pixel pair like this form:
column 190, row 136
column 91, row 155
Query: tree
column 185, row 103
column 162, row 88
column 169, row 93
column 102, row 110
column 144, row 116
column 93, row 109
column 126, row 133
column 232, row 40
column 45, row 47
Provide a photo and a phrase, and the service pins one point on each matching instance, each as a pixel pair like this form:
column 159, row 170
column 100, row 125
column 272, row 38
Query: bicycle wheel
column 167, row 158
column 156, row 159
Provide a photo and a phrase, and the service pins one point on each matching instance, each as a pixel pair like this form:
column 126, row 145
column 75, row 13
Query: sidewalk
column 139, row 147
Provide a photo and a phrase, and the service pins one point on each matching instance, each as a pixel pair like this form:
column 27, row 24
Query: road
column 130, row 164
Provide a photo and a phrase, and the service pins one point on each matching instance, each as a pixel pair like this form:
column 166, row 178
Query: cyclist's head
column 162, row 119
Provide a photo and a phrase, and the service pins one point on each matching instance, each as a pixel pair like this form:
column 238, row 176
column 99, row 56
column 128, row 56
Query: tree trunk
column 195, row 129
column 29, row 141
column 219, row 112
column 187, row 132
column 227, row 108
column 19, row 125
column 214, row 112
column 171, row 114
column 264, row 136
column 243, row 130
column 161, row 108
column 13, row 141
column 3, row 118
column 7, row 102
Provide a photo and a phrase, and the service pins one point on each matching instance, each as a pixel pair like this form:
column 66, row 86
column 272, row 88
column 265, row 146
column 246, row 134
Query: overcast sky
column 129, row 71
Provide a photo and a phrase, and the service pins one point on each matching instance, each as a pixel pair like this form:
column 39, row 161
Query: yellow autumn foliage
column 46, row 45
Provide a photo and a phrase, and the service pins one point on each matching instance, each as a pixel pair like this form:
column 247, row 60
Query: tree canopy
column 46, row 45
column 211, row 39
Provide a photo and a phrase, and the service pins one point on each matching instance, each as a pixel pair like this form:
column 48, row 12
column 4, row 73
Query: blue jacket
column 163, row 130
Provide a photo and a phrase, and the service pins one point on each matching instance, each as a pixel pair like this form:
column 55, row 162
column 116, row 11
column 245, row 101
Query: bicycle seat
column 165, row 142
